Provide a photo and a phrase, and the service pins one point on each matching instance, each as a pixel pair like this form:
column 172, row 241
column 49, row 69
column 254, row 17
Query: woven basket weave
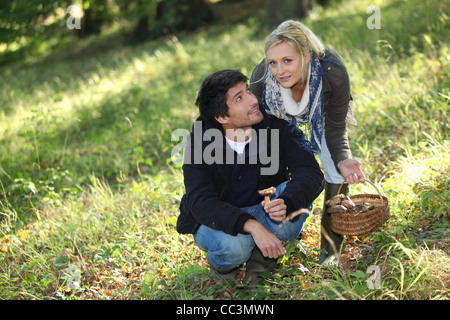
column 365, row 223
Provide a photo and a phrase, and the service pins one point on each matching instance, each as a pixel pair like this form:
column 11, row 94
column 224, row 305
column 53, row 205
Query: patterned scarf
column 310, row 120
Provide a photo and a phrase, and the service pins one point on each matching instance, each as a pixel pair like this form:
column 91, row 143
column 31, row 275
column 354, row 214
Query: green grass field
column 89, row 193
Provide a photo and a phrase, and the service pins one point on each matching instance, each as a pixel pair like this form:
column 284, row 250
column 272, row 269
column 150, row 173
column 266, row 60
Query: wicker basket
column 365, row 223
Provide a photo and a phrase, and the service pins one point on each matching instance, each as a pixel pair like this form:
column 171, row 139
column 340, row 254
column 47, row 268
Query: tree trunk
column 278, row 11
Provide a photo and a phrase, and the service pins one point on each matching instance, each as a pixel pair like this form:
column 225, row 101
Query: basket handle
column 373, row 185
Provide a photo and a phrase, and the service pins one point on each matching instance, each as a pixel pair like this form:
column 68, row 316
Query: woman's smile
column 284, row 79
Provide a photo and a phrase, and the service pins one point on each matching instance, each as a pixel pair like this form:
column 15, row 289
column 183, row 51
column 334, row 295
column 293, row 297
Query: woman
column 308, row 86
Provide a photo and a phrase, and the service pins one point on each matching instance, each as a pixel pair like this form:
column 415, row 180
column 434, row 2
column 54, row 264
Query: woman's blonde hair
column 299, row 36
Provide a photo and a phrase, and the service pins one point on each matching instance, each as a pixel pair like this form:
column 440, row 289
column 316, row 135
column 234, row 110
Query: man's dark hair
column 212, row 96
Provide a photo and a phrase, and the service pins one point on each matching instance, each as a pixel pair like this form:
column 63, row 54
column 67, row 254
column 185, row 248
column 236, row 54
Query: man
column 233, row 151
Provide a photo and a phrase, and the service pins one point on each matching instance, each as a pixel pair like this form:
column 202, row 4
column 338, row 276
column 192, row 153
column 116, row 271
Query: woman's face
column 285, row 63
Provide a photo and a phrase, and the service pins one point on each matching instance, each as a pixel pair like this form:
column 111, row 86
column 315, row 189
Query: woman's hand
column 351, row 171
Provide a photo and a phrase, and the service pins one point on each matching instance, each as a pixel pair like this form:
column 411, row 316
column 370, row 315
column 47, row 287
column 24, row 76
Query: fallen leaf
column 424, row 222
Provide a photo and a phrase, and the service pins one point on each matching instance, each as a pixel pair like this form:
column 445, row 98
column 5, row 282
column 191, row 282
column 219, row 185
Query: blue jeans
column 225, row 252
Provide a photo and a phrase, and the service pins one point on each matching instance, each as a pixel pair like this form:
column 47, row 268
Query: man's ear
column 222, row 119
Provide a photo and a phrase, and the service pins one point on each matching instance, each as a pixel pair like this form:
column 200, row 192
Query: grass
column 89, row 195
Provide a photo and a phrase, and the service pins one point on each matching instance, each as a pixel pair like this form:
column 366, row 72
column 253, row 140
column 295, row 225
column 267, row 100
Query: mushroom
column 335, row 200
column 337, row 208
column 266, row 193
column 361, row 208
column 348, row 203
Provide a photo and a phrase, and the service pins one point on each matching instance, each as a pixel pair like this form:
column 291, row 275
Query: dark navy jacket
column 207, row 185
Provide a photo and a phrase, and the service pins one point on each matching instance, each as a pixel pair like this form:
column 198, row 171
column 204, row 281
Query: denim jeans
column 225, row 252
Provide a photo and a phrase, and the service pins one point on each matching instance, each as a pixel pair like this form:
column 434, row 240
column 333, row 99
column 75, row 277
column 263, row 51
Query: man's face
column 243, row 108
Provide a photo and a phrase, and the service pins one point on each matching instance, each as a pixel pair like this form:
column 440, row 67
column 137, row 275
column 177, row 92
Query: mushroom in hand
column 266, row 193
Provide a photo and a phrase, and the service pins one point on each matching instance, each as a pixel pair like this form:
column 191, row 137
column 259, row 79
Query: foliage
column 33, row 28
column 89, row 194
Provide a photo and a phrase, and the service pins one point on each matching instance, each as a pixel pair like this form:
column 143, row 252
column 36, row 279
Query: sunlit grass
column 89, row 196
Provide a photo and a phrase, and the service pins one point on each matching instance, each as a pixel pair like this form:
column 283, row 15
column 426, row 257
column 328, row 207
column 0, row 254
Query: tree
column 279, row 10
column 171, row 16
column 96, row 14
column 25, row 18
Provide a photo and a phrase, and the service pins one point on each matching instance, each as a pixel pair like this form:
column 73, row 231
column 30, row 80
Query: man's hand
column 266, row 241
column 276, row 209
